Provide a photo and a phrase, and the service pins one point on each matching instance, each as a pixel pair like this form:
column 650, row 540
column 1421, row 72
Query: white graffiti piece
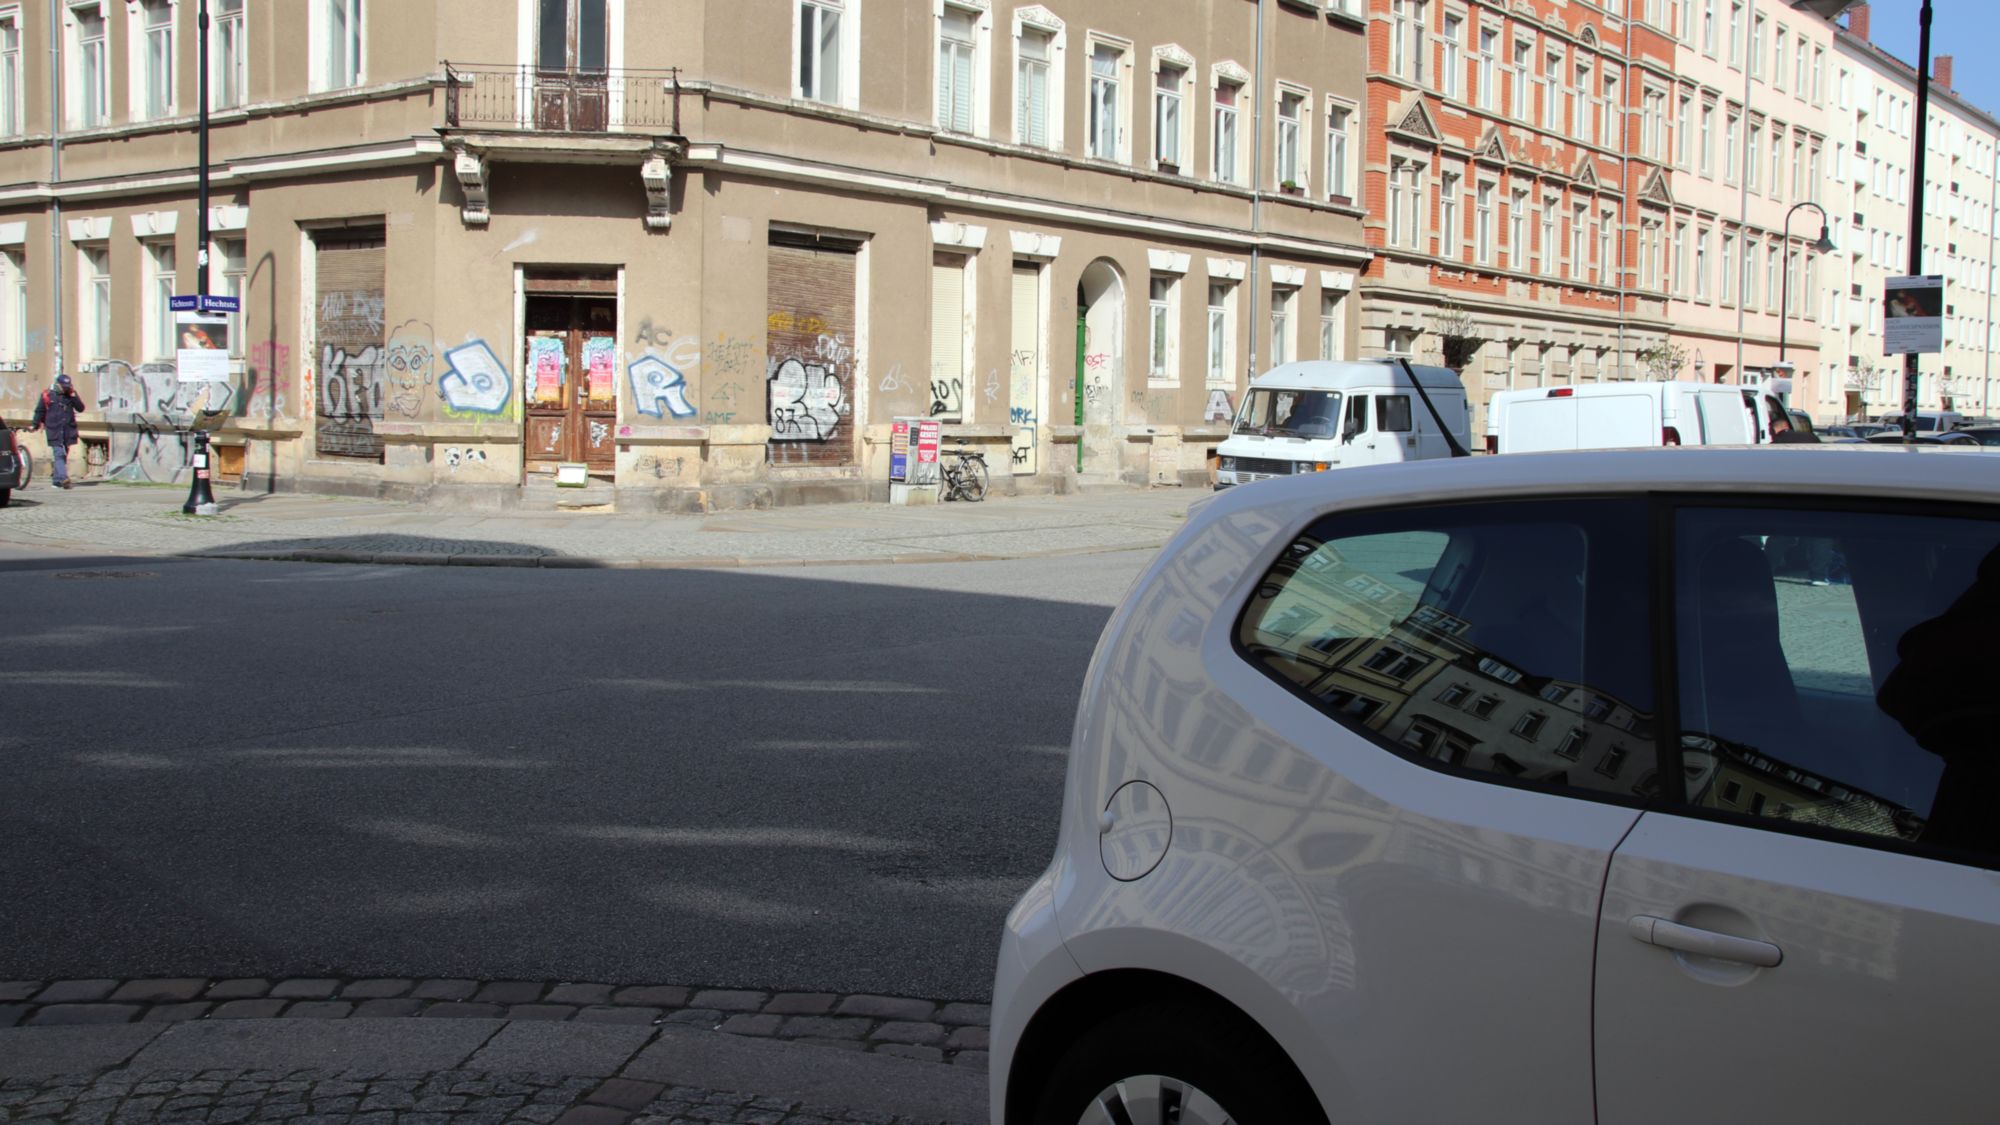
column 351, row 384
column 894, row 380
column 477, row 382
column 146, row 404
column 806, row 402
column 598, row 433
column 1219, row 409
column 658, row 388
column 992, row 386
column 453, row 457
column 364, row 307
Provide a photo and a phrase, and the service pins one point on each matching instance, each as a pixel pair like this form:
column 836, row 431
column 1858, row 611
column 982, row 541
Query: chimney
column 1857, row 21
column 1941, row 71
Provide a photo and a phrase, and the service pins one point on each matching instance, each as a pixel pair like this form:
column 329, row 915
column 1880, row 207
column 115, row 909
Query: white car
column 1648, row 786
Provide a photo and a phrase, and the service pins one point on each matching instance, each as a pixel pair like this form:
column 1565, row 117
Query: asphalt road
column 834, row 778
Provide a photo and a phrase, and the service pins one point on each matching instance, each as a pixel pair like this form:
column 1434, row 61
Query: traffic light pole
column 1910, row 376
column 201, row 494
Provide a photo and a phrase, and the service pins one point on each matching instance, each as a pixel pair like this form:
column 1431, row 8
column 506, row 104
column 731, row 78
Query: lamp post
column 1823, row 246
column 201, row 495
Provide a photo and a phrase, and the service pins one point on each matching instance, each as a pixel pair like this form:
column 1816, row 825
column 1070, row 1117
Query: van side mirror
column 1349, row 429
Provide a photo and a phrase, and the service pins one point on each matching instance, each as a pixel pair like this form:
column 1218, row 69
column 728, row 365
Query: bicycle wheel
column 975, row 479
column 954, row 482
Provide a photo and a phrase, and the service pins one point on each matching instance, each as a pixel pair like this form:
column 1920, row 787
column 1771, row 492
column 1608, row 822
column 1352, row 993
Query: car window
column 1507, row 639
column 1832, row 670
column 1392, row 413
column 1357, row 415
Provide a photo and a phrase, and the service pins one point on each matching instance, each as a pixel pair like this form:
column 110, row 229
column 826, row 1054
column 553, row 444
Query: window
column 1339, row 151
column 1489, row 68
column 155, row 95
column 1614, row 112
column 1517, row 229
column 1731, row 139
column 13, row 306
column 1332, row 325
column 1448, row 214
column 1701, row 264
column 1607, row 228
column 1291, row 127
column 339, row 58
column 1684, row 134
column 1736, row 33
column 1221, row 337
column 1392, row 414
column 1226, row 134
column 1572, row 744
column 1579, row 219
column 1163, row 341
column 1552, row 91
column 92, row 95
column 1406, row 39
column 1706, row 144
column 1167, row 99
column 1649, row 255
column 1451, row 77
column 1819, row 77
column 1282, row 351
column 1777, row 180
column 1654, row 124
column 822, row 52
column 1034, row 52
column 1482, row 222
column 1405, row 201
column 1805, row 665
column 10, row 75
column 159, row 310
column 230, row 263
column 1105, row 120
column 1793, row 295
column 1342, row 614
column 95, row 315
column 229, row 81
column 958, row 37
column 1583, row 109
column 1757, row 47
column 1749, row 296
column 1771, row 256
column 1524, row 50
column 1550, row 204
column 1679, row 266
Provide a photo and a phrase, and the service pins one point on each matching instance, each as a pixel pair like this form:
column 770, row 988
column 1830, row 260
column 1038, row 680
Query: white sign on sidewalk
column 203, row 353
column 1913, row 315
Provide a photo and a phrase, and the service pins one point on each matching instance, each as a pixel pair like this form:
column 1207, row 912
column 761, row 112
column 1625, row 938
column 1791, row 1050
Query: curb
column 581, row 562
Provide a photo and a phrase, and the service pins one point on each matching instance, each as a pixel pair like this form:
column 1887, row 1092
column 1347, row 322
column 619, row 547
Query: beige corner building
column 705, row 253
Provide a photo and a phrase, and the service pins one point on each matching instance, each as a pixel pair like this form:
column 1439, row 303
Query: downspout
column 1743, row 189
column 55, row 179
column 1986, row 395
column 1256, row 191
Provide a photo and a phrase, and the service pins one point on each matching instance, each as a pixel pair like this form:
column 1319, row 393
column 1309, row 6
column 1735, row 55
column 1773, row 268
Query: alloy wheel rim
column 1153, row 1099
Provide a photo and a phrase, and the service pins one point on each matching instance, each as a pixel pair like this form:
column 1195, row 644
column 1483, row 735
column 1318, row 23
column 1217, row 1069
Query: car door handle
column 1704, row 943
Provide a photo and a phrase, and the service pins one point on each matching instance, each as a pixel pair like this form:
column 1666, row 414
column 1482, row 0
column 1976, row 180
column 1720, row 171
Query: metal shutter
column 810, row 341
column 1026, row 345
column 349, row 267
column 948, row 337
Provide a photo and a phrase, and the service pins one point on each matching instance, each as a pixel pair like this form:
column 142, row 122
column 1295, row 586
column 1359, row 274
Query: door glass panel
column 590, row 35
column 546, row 370
column 1832, row 670
column 1508, row 639
column 600, row 374
column 552, row 48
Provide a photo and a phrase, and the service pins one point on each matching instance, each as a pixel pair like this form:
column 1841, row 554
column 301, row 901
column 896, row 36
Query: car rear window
column 1506, row 639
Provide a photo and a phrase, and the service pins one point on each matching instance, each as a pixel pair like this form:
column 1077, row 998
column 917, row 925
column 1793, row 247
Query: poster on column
column 201, row 354
column 1913, row 315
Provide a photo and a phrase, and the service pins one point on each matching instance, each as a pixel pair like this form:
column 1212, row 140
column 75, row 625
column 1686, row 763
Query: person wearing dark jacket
column 56, row 412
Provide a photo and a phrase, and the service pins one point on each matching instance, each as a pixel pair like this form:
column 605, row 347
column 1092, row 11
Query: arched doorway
column 1100, row 365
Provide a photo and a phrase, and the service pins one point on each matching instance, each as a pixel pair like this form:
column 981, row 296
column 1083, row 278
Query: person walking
column 56, row 412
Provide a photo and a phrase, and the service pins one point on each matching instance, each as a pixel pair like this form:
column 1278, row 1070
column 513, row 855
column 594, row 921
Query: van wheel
column 1181, row 1062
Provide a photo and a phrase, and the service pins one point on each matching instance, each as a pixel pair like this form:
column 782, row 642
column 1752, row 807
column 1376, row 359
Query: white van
column 1319, row 414
column 1928, row 421
column 1619, row 416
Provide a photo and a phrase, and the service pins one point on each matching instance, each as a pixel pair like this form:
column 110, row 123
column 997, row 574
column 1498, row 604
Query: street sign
column 204, row 302
column 1913, row 320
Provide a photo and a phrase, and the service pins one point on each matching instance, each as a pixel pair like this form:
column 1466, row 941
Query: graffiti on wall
column 475, row 382
column 351, row 395
column 454, row 457
column 412, row 352
column 658, row 388
column 146, row 406
column 1219, row 408
column 947, row 398
column 269, row 362
column 806, row 401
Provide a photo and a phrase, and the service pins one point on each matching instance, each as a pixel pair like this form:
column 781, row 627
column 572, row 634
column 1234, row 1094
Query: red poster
column 928, row 432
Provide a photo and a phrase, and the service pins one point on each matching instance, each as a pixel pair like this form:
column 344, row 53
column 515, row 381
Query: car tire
column 1184, row 1050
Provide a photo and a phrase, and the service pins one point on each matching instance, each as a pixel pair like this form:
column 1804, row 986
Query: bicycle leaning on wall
column 965, row 475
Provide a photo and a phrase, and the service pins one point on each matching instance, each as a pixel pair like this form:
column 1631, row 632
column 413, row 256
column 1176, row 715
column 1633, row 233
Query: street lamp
column 1823, row 246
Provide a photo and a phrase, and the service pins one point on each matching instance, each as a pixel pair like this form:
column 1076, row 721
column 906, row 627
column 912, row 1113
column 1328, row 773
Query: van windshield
column 1296, row 414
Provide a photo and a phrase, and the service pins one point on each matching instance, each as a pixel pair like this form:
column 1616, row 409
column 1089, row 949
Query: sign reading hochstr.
column 1913, row 315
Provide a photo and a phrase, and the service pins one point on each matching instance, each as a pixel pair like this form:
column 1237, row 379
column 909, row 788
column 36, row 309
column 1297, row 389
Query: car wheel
column 1175, row 1064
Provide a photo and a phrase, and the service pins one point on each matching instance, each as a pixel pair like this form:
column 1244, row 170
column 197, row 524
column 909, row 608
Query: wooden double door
column 571, row 366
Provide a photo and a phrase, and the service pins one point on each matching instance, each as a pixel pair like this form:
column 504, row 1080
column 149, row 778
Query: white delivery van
column 1618, row 416
column 1928, row 421
column 1320, row 414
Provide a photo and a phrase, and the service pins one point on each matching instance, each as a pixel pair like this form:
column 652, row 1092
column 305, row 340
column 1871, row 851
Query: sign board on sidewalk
column 899, row 450
column 1913, row 315
column 930, row 431
column 204, row 302
column 202, row 355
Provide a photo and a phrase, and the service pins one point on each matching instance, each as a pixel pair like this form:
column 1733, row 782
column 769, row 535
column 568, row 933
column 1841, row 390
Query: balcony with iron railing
column 574, row 100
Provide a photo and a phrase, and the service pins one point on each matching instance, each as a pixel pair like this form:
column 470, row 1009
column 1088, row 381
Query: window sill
column 1335, row 15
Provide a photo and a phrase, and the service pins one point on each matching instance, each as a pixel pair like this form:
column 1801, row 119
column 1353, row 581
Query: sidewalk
column 146, row 520
column 387, row 1052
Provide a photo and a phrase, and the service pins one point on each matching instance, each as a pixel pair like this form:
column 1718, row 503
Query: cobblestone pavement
column 368, row 1097
column 138, row 519
column 925, row 1030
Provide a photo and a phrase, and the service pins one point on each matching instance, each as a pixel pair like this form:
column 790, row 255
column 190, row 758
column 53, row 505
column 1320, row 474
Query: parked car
column 1984, row 435
column 1949, row 437
column 1928, row 421
column 16, row 465
column 1315, row 415
column 1647, row 786
column 1617, row 416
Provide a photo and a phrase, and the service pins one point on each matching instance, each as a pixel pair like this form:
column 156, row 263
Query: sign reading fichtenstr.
column 1913, row 315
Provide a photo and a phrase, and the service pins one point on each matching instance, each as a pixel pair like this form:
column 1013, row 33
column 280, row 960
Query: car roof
column 1930, row 472
column 1316, row 374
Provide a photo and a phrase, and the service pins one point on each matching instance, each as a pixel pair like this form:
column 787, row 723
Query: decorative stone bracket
column 471, row 170
column 656, row 173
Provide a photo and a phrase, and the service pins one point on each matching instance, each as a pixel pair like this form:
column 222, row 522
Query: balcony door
column 572, row 49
